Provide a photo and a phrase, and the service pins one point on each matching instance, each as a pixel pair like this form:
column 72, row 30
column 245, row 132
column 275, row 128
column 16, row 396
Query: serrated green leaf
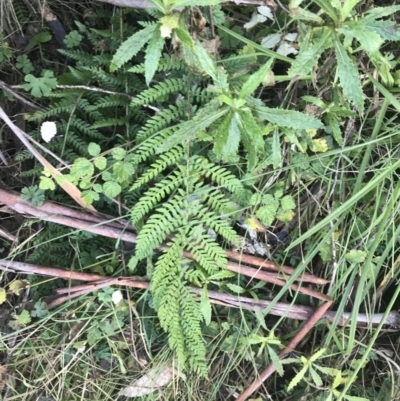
column 275, row 360
column 100, row 162
column 356, row 256
column 111, row 189
column 349, row 77
column 387, row 30
column 276, row 150
column 227, row 137
column 123, row 171
column 298, row 378
column 317, row 355
column 93, row 149
column 206, row 63
column 286, row 216
column 205, row 306
column 299, row 13
column 184, row 36
column 347, row 8
column 47, row 183
column 308, row 55
column 235, row 288
column 201, row 120
column 89, row 197
column 369, row 40
column 23, row 318
column 379, row 12
column 254, row 81
column 333, row 122
column 316, row 377
column 82, row 168
column 40, row 86
column 287, row 203
column 289, row 118
column 267, row 213
column 3, row 295
column 153, row 55
column 253, row 130
column 118, row 153
column 130, row 47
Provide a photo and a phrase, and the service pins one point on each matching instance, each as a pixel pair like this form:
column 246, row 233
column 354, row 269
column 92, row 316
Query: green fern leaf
column 153, row 54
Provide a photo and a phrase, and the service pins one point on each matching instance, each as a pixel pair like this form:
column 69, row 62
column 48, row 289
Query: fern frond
column 160, row 91
column 162, row 120
column 109, row 102
column 155, row 195
column 78, row 55
column 208, row 254
column 111, row 122
column 165, row 160
column 167, row 219
column 223, row 177
column 167, row 63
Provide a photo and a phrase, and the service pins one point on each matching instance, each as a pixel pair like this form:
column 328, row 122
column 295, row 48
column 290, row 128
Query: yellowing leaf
column 3, row 295
column 319, row 145
column 18, row 285
column 255, row 224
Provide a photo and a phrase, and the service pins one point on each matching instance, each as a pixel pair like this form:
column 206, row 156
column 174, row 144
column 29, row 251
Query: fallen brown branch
column 95, row 282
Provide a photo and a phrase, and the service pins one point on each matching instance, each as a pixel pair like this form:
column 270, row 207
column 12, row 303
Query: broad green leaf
column 205, row 306
column 130, row 47
column 189, row 129
column 153, row 55
column 184, row 36
column 305, row 15
column 235, row 288
column 23, row 318
column 18, row 285
column 123, row 171
column 387, row 30
column 41, row 37
column 267, row 213
column 40, row 86
column 319, row 145
column 89, row 197
column 275, row 360
column 276, row 150
column 379, row 12
column 118, row 153
column 100, row 162
column 93, row 149
column 254, row 81
column 3, row 295
column 47, row 183
column 287, row 203
column 369, row 40
column 347, row 8
column 111, row 189
column 82, row 168
column 206, row 63
column 309, row 55
column 349, row 77
column 356, row 256
column 227, row 137
column 249, row 124
column 289, row 118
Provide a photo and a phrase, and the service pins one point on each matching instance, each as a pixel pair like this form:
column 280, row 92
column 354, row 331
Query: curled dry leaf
column 152, row 381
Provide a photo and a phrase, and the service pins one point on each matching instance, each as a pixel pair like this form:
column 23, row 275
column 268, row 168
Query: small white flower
column 48, row 130
column 117, row 297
